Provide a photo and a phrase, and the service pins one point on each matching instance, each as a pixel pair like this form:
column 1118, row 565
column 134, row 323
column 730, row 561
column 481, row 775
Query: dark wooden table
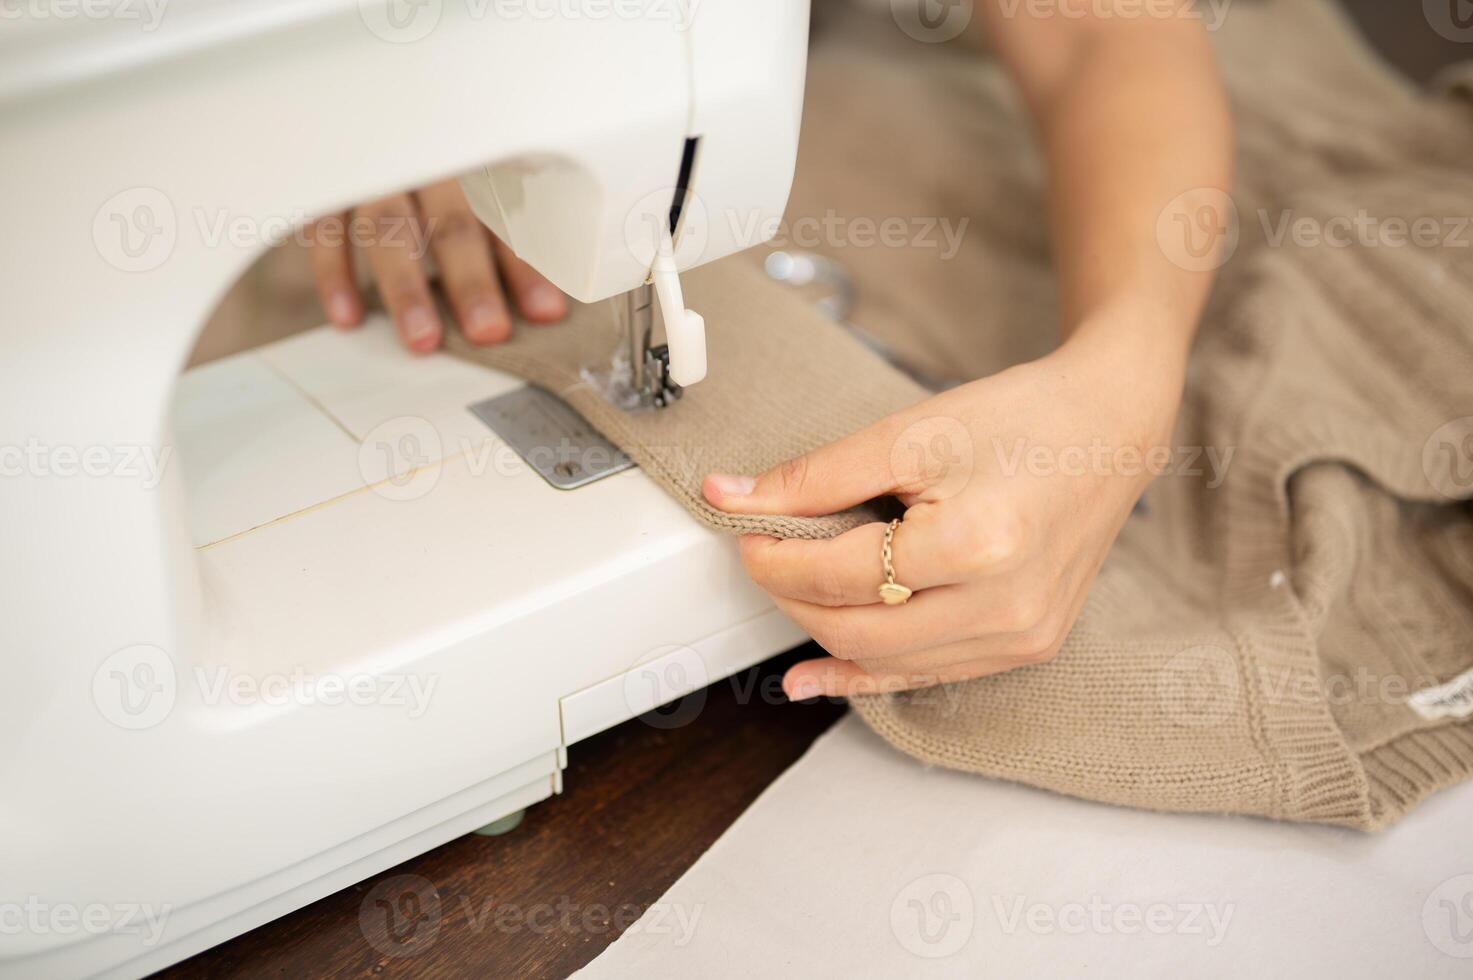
column 640, row 802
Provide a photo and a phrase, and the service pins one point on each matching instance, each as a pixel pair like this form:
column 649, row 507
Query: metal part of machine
column 649, row 362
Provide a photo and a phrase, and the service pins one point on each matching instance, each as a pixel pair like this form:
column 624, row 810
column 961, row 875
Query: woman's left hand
column 1016, row 486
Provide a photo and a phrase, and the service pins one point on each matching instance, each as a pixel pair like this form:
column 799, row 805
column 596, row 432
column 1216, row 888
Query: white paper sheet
column 860, row 862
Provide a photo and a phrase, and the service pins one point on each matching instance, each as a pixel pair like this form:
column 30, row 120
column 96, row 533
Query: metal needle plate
column 551, row 437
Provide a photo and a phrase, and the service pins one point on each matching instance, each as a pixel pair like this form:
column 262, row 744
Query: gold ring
column 892, row 593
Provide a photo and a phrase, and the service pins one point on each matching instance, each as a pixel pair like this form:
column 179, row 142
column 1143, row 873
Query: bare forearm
column 1131, row 116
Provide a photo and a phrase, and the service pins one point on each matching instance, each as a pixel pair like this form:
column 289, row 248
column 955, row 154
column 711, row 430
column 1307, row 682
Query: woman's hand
column 395, row 234
column 1016, row 486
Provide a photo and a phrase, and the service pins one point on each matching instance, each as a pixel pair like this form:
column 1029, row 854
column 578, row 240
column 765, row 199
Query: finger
column 331, row 255
column 829, row 479
column 933, row 618
column 848, row 570
column 395, row 250
column 978, row 656
column 537, row 298
column 1006, row 620
column 824, row 677
column 462, row 248
column 840, row 679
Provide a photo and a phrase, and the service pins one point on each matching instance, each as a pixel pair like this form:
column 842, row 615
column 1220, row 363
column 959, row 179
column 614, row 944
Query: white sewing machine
column 299, row 615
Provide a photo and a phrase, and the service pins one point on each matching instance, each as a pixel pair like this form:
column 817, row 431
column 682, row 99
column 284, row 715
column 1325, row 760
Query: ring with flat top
column 892, row 593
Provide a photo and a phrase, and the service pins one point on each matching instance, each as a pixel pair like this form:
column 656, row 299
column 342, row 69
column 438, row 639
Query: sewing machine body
column 345, row 624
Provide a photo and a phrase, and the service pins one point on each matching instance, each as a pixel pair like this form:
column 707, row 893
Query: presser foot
column 637, row 376
column 650, row 382
column 657, row 390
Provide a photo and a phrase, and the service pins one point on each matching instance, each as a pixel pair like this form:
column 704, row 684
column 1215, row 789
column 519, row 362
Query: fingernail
column 342, row 310
column 733, row 486
column 803, row 690
column 486, row 321
column 419, row 324
column 543, row 301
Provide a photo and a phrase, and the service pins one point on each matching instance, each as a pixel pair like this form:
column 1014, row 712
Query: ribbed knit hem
column 1319, row 778
column 1406, row 769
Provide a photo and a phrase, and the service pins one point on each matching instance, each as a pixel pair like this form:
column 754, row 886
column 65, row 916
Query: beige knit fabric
column 782, row 381
column 1247, row 647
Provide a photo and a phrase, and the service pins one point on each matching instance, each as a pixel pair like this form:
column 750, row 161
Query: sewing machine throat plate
column 551, row 437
